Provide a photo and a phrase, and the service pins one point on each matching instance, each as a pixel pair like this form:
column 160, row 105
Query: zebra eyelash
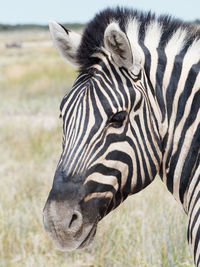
column 117, row 119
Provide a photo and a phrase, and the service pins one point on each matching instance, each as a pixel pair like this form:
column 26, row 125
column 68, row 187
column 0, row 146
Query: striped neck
column 172, row 69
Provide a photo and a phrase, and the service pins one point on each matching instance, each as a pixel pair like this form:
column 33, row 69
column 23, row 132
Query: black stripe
column 162, row 60
column 130, row 87
column 175, row 77
column 144, row 165
column 109, row 92
column 125, row 158
column 192, row 217
column 190, row 119
column 192, row 160
column 86, row 121
column 80, row 81
column 192, row 194
column 95, row 187
column 197, row 239
column 76, row 97
column 149, row 133
column 195, row 220
column 189, row 84
column 120, row 85
column 151, row 163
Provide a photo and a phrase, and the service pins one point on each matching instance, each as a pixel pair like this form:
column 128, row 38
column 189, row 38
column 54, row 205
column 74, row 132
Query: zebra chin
column 65, row 242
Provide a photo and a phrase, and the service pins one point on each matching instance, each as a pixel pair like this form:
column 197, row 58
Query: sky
column 70, row 11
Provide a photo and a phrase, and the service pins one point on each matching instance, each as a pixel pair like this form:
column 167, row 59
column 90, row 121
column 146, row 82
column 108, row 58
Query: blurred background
column 149, row 229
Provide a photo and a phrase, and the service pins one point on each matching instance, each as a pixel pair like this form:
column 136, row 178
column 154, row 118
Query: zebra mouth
column 90, row 237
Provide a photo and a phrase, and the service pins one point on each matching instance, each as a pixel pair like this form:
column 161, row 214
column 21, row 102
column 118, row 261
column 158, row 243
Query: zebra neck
column 175, row 80
column 172, row 71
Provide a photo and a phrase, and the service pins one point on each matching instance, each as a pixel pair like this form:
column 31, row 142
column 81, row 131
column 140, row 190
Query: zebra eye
column 117, row 119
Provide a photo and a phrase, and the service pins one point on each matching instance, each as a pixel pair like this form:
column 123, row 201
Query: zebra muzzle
column 66, row 227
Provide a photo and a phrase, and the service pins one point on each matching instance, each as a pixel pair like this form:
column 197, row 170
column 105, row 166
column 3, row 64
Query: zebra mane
column 93, row 35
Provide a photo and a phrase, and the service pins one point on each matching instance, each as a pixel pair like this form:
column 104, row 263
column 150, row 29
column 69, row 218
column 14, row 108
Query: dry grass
column 149, row 229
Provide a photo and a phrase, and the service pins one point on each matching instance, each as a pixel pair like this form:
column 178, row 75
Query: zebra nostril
column 74, row 217
column 76, row 221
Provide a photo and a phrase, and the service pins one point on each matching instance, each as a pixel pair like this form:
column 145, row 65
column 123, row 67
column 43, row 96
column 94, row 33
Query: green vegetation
column 17, row 27
column 147, row 230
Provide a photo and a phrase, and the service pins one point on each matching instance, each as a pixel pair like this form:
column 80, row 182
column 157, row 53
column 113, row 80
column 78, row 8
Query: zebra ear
column 66, row 42
column 117, row 42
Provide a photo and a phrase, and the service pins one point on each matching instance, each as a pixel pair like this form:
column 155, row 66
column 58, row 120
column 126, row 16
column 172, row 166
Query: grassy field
column 148, row 230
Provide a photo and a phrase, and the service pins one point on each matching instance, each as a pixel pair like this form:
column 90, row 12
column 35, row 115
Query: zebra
column 132, row 113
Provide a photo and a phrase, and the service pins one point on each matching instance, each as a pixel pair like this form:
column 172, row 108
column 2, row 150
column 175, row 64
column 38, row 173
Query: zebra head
column 111, row 142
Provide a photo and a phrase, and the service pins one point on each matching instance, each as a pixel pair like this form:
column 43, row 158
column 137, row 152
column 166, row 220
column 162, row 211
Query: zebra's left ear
column 117, row 42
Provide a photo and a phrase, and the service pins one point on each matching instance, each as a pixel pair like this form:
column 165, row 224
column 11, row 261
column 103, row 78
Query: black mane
column 93, row 35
